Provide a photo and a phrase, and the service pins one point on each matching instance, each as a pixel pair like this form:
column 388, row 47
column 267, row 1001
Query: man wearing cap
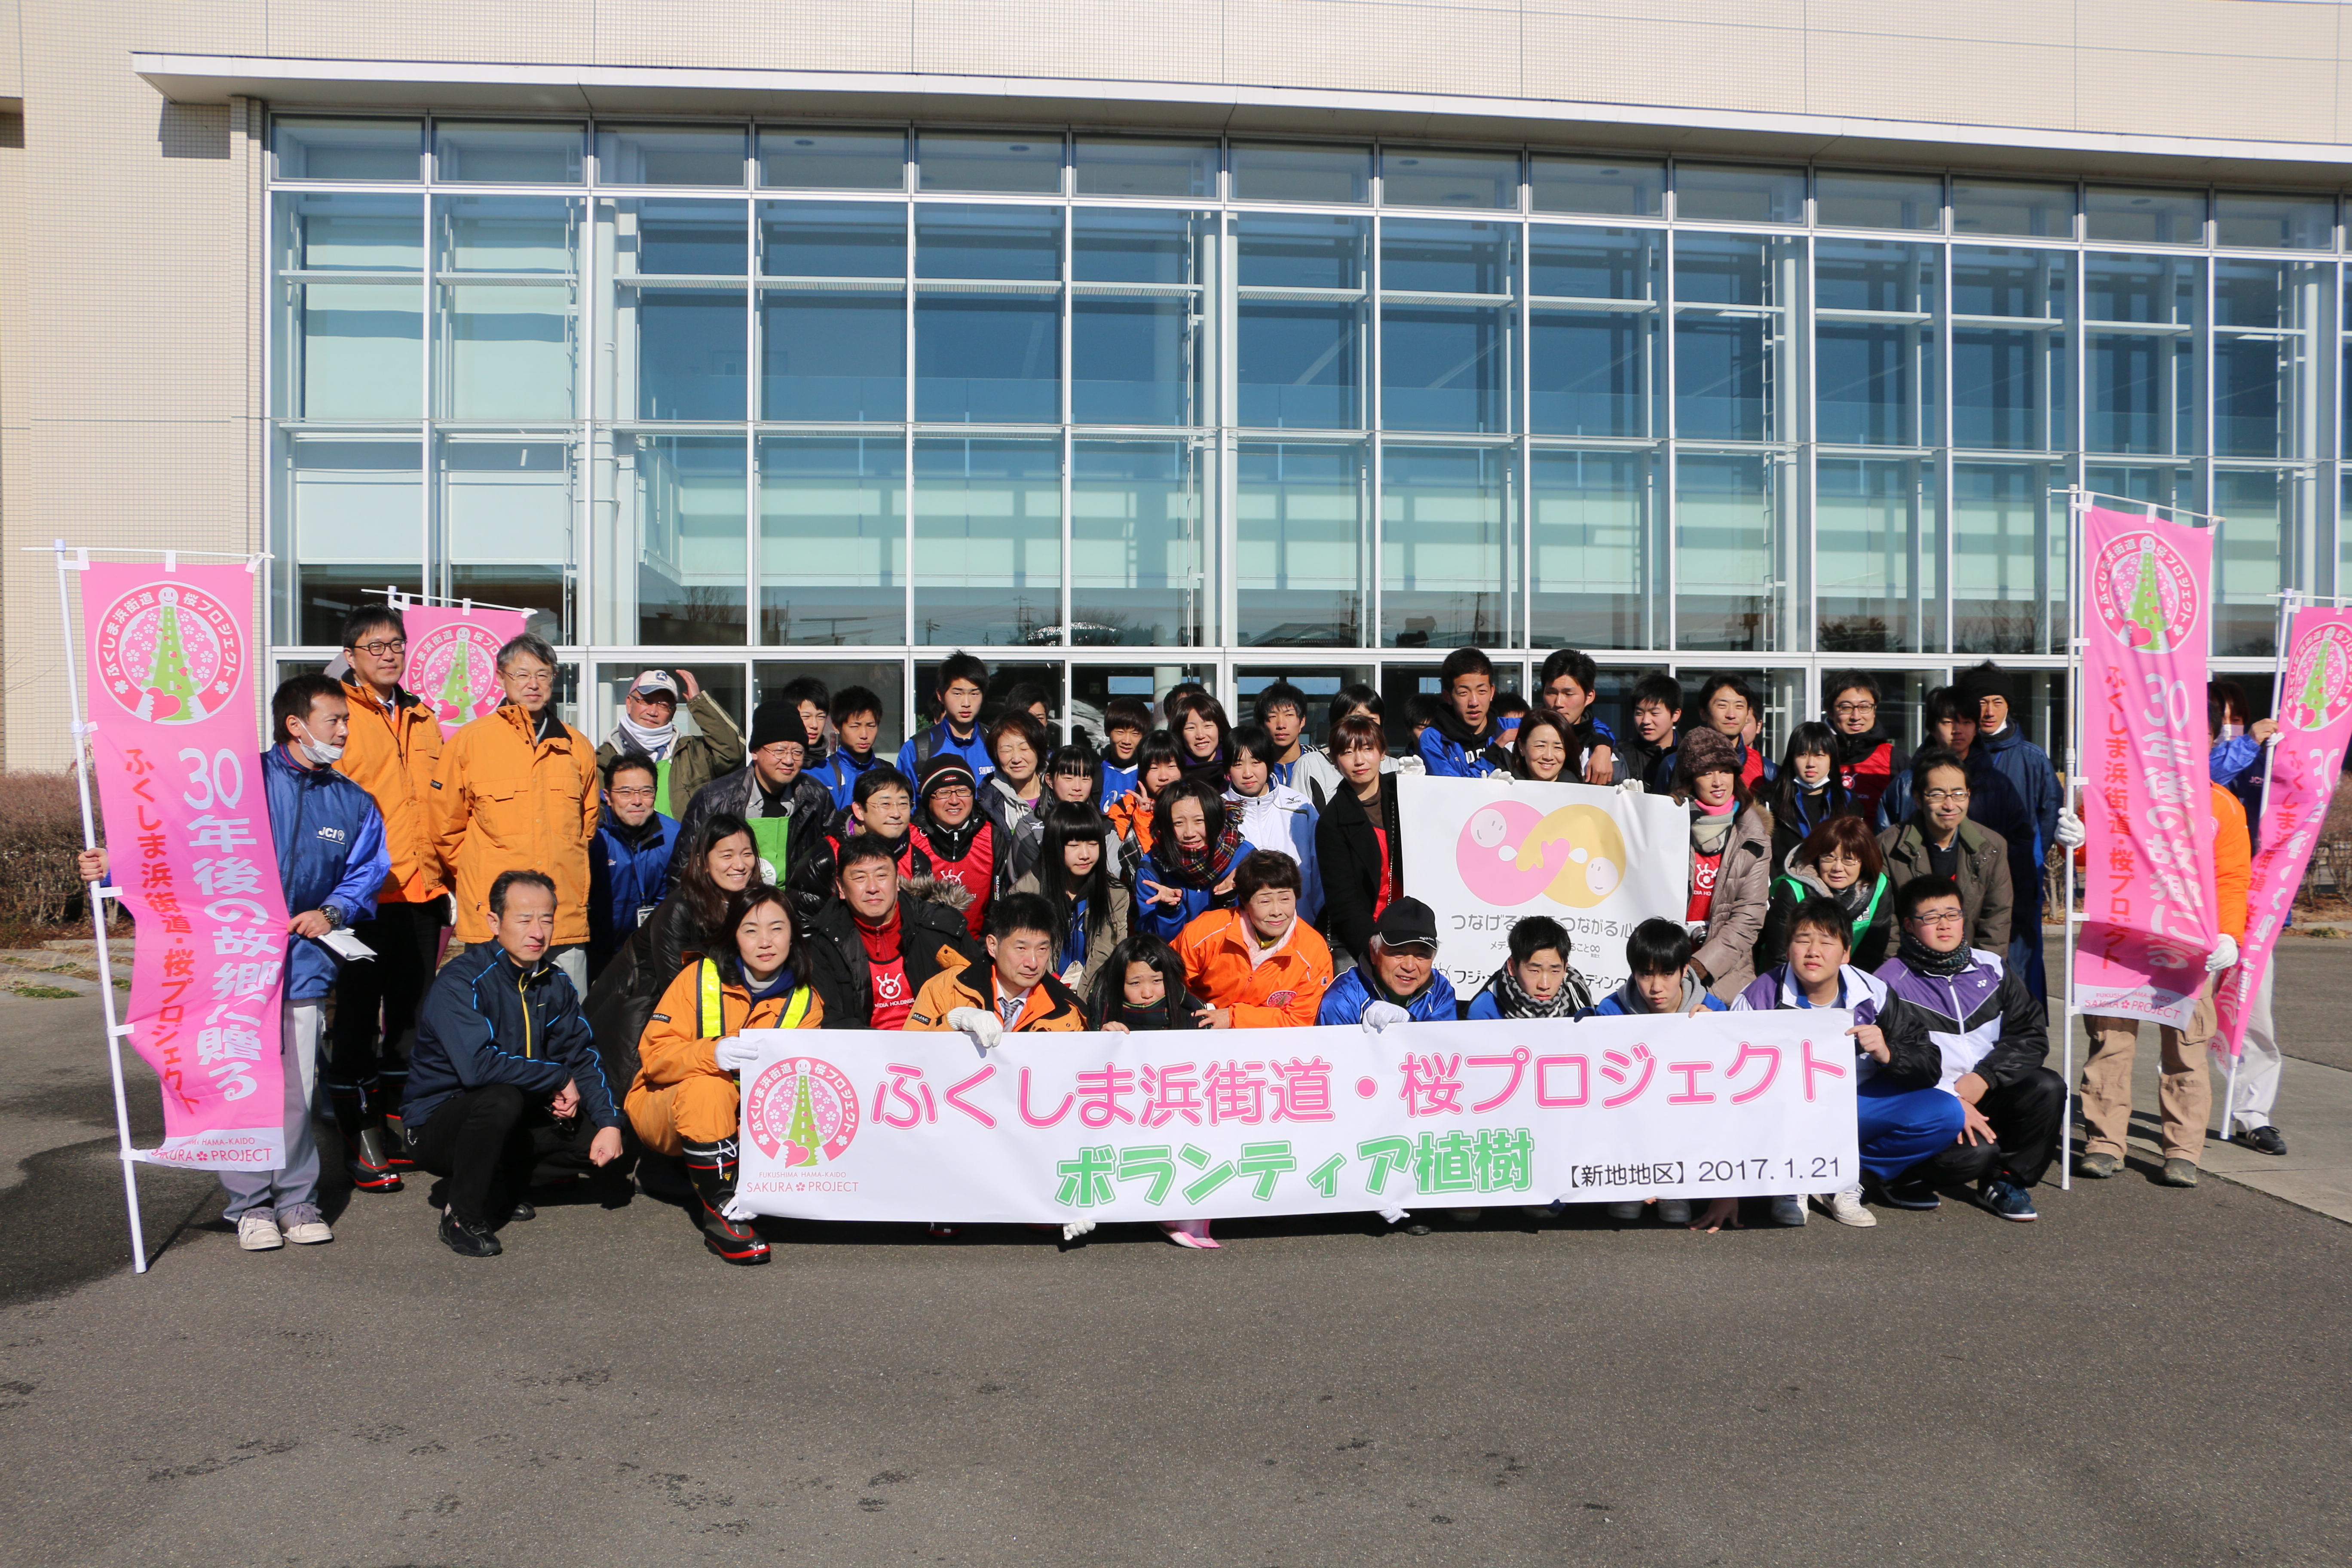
column 788, row 809
column 648, row 727
column 2002, row 746
column 1396, row 981
column 956, row 834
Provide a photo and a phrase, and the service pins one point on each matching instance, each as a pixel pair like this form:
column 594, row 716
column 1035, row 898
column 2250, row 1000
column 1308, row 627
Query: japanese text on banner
column 453, row 659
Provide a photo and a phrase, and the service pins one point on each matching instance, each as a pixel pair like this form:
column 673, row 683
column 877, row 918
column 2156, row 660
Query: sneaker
column 2097, row 1166
column 2264, row 1140
column 304, row 1225
column 257, row 1232
column 1913, row 1194
column 1623, row 1211
column 1674, row 1210
column 1788, row 1209
column 1844, row 1205
column 467, row 1240
column 2006, row 1199
column 2178, row 1174
column 1414, row 1225
column 520, row 1209
column 1539, row 1211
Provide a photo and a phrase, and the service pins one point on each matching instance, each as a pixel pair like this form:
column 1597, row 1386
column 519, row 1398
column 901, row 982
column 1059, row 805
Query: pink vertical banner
column 171, row 657
column 2314, row 710
column 2152, row 914
column 453, row 658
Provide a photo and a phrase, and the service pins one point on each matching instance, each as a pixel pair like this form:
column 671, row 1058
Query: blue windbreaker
column 1345, row 998
column 628, row 874
column 484, row 1021
column 331, row 854
column 974, row 752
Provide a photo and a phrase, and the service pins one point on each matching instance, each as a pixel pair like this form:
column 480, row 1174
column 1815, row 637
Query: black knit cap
column 778, row 719
column 944, row 769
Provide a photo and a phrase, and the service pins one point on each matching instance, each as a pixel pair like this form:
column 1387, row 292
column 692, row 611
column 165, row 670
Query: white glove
column 1381, row 1014
column 1076, row 1229
column 1630, row 786
column 735, row 1054
column 2069, row 829
column 1396, row 1215
column 2225, row 956
column 981, row 1023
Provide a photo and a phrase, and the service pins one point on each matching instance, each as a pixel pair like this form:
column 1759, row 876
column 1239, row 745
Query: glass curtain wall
column 688, row 390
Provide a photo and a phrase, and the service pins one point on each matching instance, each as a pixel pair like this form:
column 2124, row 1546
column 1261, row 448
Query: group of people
column 623, row 912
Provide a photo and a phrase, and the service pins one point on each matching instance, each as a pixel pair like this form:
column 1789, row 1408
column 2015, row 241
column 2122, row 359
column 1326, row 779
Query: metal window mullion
column 1369, row 407
column 1069, row 451
column 754, row 590
column 1946, row 584
column 1523, row 385
column 1663, row 542
column 906, row 435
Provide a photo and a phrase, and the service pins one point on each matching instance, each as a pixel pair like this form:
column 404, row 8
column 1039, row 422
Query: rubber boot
column 711, row 1167
column 364, row 1152
column 392, row 1088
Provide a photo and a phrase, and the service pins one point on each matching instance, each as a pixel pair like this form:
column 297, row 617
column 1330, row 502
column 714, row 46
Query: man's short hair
column 1127, row 713
column 1462, row 661
column 1018, row 912
column 1540, row 933
column 1578, row 666
column 961, row 666
column 1842, row 681
column 295, row 695
column 1262, row 870
column 510, row 880
column 367, row 618
column 851, row 701
column 1660, row 688
column 1929, row 758
column 1725, row 681
column 530, row 643
column 1255, row 739
column 1919, row 889
column 1944, row 704
column 1352, row 698
column 860, row 847
column 631, row 762
column 1821, row 913
column 877, row 779
column 1280, row 694
column 1510, row 704
column 1658, row 946
column 807, row 688
column 1028, row 694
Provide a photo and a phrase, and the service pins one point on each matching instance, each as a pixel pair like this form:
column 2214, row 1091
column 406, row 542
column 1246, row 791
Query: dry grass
column 40, row 831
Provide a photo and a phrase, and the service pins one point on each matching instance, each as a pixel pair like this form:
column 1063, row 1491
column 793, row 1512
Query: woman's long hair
column 1810, row 739
column 1139, row 947
column 691, row 881
column 758, row 895
column 1571, row 767
column 1068, row 822
column 1187, row 704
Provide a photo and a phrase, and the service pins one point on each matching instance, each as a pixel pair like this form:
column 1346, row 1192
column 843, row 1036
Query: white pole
column 2270, row 754
column 97, row 895
column 2075, row 497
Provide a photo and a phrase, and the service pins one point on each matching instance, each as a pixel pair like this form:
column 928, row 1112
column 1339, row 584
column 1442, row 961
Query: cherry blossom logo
column 169, row 653
column 1509, row 852
column 455, row 668
column 2144, row 593
column 2319, row 684
column 801, row 1111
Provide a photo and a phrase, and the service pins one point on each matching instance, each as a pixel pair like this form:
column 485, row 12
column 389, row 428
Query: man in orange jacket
column 393, row 752
column 1014, row 992
column 1257, row 966
column 2184, row 1094
column 517, row 790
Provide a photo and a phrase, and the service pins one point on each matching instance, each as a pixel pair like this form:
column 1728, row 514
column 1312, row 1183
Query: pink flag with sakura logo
column 2315, row 724
column 2148, row 808
column 453, row 658
column 170, row 657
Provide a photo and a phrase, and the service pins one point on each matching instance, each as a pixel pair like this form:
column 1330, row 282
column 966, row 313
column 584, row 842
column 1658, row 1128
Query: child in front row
column 1658, row 955
column 1141, row 988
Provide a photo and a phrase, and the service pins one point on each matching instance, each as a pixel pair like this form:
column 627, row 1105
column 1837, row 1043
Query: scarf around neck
column 1575, row 996
column 1921, row 959
column 1710, row 829
column 1204, row 867
column 629, row 735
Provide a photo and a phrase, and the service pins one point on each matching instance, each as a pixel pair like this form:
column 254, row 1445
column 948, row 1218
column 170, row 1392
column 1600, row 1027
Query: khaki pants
column 2184, row 1094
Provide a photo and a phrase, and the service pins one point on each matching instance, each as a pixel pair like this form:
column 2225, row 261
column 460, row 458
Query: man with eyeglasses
column 392, row 749
column 1868, row 759
column 628, row 860
column 1993, row 1035
column 1938, row 840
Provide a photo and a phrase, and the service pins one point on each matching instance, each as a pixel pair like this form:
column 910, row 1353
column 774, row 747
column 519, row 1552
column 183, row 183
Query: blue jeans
column 1900, row 1127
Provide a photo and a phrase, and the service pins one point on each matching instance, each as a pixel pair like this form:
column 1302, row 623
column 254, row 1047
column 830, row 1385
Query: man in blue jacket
column 963, row 686
column 332, row 859
column 1463, row 742
column 628, row 860
column 1396, row 981
column 2026, row 766
column 504, row 1084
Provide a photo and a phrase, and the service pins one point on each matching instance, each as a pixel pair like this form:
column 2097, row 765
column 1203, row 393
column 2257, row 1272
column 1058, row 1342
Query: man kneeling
column 1994, row 1037
column 685, row 1099
column 504, row 1085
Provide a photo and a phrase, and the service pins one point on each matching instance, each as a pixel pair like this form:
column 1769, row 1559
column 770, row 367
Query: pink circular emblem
column 801, row 1111
column 169, row 653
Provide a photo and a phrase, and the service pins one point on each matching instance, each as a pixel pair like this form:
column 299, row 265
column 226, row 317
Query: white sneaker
column 1623, row 1211
column 1674, row 1210
column 258, row 1233
column 305, row 1226
column 1788, row 1209
column 1844, row 1205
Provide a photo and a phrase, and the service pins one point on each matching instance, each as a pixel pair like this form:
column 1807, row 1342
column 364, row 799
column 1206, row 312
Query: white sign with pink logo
column 1487, row 853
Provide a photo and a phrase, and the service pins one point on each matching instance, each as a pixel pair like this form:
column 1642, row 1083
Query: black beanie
column 1988, row 679
column 778, row 719
column 946, row 769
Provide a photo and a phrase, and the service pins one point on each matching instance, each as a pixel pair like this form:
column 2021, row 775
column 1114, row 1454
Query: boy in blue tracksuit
column 505, row 1084
column 1462, row 742
column 628, row 860
column 1396, row 981
column 856, row 715
column 1660, row 979
column 963, row 686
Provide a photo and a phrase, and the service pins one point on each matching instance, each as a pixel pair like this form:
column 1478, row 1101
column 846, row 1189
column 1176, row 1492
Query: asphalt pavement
column 2145, row 1376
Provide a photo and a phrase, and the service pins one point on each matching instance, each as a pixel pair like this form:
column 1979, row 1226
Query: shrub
column 40, row 833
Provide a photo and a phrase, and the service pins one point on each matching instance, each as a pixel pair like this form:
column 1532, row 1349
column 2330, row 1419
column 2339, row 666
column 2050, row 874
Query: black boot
column 711, row 1167
column 365, row 1155
column 392, row 1086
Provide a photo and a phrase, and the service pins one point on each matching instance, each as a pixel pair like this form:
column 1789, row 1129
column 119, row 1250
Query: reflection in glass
column 1300, row 356
column 1595, row 584
column 522, row 152
column 953, row 161
column 691, row 354
column 2008, row 558
column 1140, row 567
column 988, row 358
column 2020, row 207
column 1300, row 524
column 1874, row 374
column 1296, row 172
column 2254, row 537
column 2124, row 216
column 976, row 242
column 1726, row 557
column 1609, row 187
column 320, row 149
column 1736, row 193
column 833, row 541
column 1591, row 368
column 833, row 354
column 506, row 337
column 351, row 523
column 2263, row 221
column 1446, row 365
column 1446, row 177
column 669, row 155
column 1731, row 297
column 1844, row 200
column 1446, row 560
column 833, row 239
column 1146, row 167
column 988, row 542
column 507, row 511
column 2143, row 370
column 681, row 239
column 684, row 498
column 2011, row 357
column 2265, row 372
column 1135, row 349
column 1876, row 556
column 827, row 159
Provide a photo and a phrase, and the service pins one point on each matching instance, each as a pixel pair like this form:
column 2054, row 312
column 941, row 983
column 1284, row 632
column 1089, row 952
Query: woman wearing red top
column 1731, row 869
column 1356, row 841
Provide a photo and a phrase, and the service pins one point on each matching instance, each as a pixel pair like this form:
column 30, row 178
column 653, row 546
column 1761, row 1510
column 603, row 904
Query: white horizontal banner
column 865, row 1125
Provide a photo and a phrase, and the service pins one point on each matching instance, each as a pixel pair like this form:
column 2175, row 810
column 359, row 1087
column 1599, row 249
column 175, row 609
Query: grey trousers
column 297, row 1182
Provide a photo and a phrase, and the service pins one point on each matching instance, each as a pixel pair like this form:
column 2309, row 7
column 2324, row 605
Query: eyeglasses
column 632, row 795
column 1945, row 796
column 1940, row 918
column 379, row 649
column 1856, row 708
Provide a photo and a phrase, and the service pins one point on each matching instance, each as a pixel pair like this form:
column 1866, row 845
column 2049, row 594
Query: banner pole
column 96, row 895
column 2075, row 500
column 2288, row 607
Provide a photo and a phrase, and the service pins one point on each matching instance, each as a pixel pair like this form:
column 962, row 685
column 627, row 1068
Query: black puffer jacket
column 932, row 937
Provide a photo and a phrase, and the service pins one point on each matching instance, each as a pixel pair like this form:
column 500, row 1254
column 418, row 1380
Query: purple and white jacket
column 1911, row 1054
column 1985, row 1019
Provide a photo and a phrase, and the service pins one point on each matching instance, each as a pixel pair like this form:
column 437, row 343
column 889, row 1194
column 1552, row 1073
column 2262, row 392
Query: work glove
column 1381, row 1014
column 981, row 1023
column 735, row 1054
column 1076, row 1229
column 2069, row 829
column 1630, row 786
column 2225, row 956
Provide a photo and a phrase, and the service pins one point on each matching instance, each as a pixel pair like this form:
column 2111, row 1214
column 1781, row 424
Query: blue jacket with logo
column 330, row 855
column 941, row 738
column 1345, row 998
column 484, row 1021
column 628, row 872
column 840, row 773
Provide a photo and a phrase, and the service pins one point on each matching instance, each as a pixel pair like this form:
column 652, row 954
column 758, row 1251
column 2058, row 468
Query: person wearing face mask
column 332, row 860
column 1730, row 865
column 1838, row 861
column 647, row 726
column 1809, row 791
column 518, row 790
column 788, row 809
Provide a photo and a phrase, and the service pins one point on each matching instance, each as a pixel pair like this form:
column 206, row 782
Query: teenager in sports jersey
column 963, row 686
column 686, row 1098
column 956, row 835
column 882, row 938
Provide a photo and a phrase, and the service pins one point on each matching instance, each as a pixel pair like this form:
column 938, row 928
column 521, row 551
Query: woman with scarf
column 1196, row 844
column 1730, row 866
column 1204, row 734
column 1537, row 981
column 1091, row 910
column 1839, row 860
column 1809, row 792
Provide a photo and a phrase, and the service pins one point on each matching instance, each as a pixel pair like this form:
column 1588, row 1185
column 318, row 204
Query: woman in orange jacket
column 686, row 1100
column 1258, row 965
